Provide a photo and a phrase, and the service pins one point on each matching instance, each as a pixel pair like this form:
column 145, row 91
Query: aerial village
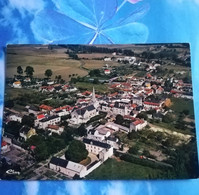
column 137, row 119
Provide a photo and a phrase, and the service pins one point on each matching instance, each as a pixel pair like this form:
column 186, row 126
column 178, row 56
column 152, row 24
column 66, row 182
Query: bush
column 143, row 162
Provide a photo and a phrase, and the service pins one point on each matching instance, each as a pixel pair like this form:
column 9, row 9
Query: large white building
column 49, row 120
column 68, row 168
column 104, row 150
column 82, row 115
column 121, row 108
column 15, row 117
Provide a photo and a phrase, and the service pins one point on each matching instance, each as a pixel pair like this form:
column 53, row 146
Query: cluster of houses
column 128, row 98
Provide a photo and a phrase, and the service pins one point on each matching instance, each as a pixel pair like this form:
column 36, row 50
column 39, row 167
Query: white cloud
column 31, row 188
column 76, row 188
column 27, row 5
column 114, row 188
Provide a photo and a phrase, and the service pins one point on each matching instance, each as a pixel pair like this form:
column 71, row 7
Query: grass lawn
column 102, row 88
column 113, row 169
column 179, row 104
column 12, row 93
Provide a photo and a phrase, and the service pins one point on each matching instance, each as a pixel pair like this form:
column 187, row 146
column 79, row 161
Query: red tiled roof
column 45, row 107
column 3, row 143
column 67, row 107
column 115, row 85
column 149, row 75
column 138, row 121
column 55, row 127
column 133, row 105
column 129, row 117
column 113, row 94
column 126, row 84
column 151, row 103
column 106, row 70
column 40, row 116
column 86, row 93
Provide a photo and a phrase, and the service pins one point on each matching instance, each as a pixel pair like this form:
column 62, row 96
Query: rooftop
column 96, row 143
column 59, row 162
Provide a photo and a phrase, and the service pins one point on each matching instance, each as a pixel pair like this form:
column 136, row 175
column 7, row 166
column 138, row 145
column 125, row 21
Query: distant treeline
column 95, row 49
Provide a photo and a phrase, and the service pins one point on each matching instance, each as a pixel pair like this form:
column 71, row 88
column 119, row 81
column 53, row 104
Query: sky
column 104, row 21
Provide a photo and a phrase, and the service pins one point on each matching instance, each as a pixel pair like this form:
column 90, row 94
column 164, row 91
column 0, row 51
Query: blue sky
column 56, row 21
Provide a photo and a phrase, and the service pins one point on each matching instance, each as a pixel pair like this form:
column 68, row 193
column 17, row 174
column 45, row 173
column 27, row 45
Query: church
column 84, row 114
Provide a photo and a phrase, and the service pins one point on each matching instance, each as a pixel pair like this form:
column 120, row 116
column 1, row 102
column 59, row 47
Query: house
column 107, row 59
column 4, row 147
column 138, row 124
column 38, row 118
column 105, row 107
column 62, row 111
column 153, row 104
column 113, row 141
column 55, row 129
column 107, row 71
column 33, row 109
column 160, row 90
column 84, row 114
column 137, row 100
column 27, row 80
column 15, row 117
column 26, row 132
column 99, row 134
column 49, row 120
column 46, row 89
column 68, row 168
column 17, row 84
column 121, row 108
column 71, row 89
column 104, row 150
column 45, row 108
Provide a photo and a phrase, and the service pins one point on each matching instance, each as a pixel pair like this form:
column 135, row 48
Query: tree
column 119, row 119
column 95, row 81
column 134, row 150
column 76, row 151
column 185, row 112
column 48, row 73
column 28, row 120
column 168, row 118
column 9, row 104
column 81, row 130
column 29, row 71
column 142, row 115
column 94, row 72
column 19, row 70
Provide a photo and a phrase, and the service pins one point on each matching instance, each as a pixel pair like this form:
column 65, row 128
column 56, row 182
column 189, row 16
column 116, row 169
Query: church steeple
column 93, row 95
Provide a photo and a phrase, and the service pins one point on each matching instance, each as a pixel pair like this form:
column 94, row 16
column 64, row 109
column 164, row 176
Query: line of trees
column 29, row 70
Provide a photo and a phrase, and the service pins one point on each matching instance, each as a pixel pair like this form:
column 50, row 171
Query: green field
column 179, row 104
column 102, row 88
column 113, row 169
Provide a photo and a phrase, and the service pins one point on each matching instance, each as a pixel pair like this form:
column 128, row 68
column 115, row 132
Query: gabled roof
column 74, row 166
column 55, row 127
column 152, row 103
column 82, row 111
column 96, row 143
column 48, row 118
column 45, row 107
column 40, row 116
column 59, row 162
column 138, row 121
